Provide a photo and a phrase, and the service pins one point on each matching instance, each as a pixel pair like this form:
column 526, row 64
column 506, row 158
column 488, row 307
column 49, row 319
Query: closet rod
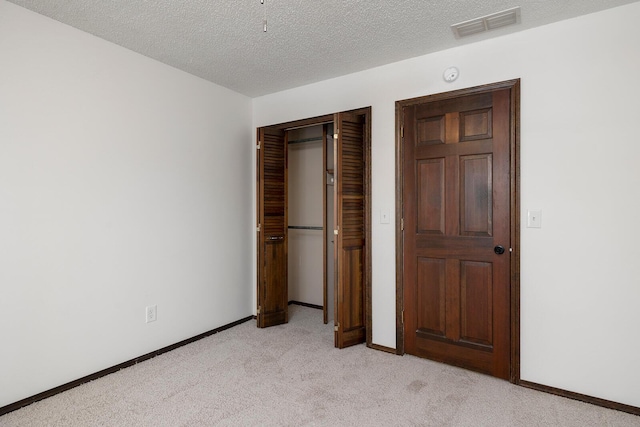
column 310, row 125
column 301, row 141
column 304, row 227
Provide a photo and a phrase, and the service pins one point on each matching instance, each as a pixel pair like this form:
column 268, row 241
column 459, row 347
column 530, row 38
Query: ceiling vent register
column 487, row 23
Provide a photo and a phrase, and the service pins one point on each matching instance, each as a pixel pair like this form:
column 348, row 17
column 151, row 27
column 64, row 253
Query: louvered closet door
column 272, row 227
column 350, row 246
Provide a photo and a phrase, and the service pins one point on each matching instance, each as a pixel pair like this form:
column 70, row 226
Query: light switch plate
column 384, row 216
column 534, row 218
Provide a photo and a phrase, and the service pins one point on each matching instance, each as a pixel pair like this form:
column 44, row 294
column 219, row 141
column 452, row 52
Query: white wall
column 123, row 183
column 579, row 278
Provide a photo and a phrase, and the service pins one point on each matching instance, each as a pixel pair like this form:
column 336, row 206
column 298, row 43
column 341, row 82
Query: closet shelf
column 304, row 227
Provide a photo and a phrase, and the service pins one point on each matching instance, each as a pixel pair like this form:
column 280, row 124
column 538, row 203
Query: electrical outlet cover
column 151, row 313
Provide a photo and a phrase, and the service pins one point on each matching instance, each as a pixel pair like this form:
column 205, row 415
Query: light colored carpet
column 291, row 375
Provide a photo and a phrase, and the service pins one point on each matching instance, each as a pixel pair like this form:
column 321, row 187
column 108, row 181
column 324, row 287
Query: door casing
column 514, row 201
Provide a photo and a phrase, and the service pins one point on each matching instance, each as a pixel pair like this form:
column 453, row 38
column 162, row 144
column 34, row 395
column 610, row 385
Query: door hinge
column 258, row 146
column 402, row 132
column 259, row 309
column 258, row 228
column 335, row 135
column 336, row 230
column 403, row 317
column 336, row 327
column 401, row 224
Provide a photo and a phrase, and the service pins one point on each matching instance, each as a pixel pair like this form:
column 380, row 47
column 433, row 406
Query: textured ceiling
column 307, row 41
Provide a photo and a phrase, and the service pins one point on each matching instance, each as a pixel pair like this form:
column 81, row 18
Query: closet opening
column 314, row 226
column 311, row 217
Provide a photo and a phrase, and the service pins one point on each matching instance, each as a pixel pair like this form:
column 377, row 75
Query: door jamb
column 514, row 171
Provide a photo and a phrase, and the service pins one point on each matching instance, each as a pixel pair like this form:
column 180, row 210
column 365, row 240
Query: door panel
column 456, row 195
column 431, row 296
column 476, row 198
column 476, row 283
column 431, row 180
column 272, row 228
column 349, row 190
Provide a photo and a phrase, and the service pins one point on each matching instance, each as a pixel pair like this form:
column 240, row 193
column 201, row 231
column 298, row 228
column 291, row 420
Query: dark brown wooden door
column 456, row 193
column 350, row 245
column 272, row 227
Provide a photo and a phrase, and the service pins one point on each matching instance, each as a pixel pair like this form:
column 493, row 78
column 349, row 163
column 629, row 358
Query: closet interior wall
column 305, row 252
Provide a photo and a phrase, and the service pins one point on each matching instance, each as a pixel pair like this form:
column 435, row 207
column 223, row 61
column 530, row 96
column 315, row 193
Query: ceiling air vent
column 486, row 23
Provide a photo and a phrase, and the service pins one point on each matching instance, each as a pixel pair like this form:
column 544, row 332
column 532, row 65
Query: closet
column 314, row 228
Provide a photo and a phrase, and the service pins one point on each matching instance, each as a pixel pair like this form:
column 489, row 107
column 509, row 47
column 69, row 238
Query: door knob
column 499, row 250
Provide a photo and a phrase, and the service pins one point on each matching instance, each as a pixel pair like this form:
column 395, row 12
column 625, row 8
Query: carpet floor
column 291, row 375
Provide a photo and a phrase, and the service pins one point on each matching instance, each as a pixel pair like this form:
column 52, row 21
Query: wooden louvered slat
column 350, row 218
column 272, row 234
